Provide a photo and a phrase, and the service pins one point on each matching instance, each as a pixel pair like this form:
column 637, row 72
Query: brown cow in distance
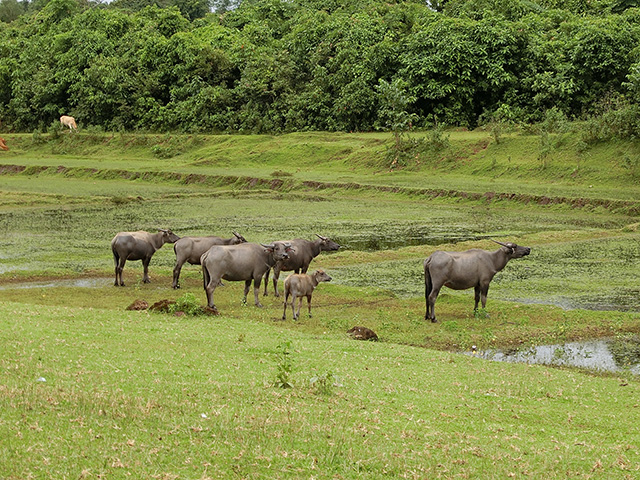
column 3, row 144
column 68, row 121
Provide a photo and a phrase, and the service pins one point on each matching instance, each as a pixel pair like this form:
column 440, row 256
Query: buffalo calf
column 300, row 285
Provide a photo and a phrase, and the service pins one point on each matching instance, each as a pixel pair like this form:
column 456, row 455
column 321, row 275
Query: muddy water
column 603, row 355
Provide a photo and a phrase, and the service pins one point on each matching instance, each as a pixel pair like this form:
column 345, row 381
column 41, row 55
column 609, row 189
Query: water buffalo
column 461, row 270
column 300, row 285
column 300, row 258
column 190, row 249
column 138, row 245
column 246, row 261
column 67, row 121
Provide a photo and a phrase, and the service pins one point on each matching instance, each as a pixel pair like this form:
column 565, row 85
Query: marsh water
column 603, row 355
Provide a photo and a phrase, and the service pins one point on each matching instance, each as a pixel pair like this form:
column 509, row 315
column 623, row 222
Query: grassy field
column 91, row 390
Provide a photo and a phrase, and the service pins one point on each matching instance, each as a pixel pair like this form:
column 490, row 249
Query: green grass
column 155, row 396
column 125, row 392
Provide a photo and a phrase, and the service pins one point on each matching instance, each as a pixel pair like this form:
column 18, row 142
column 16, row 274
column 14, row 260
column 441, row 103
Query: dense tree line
column 286, row 65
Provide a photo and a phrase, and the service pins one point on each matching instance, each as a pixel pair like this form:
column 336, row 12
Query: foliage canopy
column 276, row 66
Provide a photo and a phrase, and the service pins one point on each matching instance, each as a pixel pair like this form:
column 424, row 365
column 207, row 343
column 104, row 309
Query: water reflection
column 604, row 355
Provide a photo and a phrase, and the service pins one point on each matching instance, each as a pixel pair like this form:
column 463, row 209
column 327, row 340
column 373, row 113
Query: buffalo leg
column 431, row 303
column 286, row 305
column 145, row 265
column 210, row 285
column 119, row 268
column 309, row 304
column 209, row 288
column 483, row 296
column 276, row 276
column 256, row 290
column 299, row 307
column 176, row 275
column 293, row 307
column 247, row 286
column 428, row 286
column 266, row 282
column 477, row 297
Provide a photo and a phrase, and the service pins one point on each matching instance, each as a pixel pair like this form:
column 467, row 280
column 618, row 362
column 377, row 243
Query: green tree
column 10, row 10
column 394, row 111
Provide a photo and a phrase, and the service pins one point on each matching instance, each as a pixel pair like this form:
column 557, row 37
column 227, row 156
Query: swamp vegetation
column 165, row 396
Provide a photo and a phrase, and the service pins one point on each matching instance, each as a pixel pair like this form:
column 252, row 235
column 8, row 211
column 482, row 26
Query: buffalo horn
column 321, row 237
column 503, row 244
column 273, row 245
column 237, row 234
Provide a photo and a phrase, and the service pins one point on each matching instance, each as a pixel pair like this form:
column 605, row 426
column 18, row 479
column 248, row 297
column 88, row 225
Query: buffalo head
column 279, row 250
column 238, row 238
column 327, row 244
column 168, row 236
column 513, row 250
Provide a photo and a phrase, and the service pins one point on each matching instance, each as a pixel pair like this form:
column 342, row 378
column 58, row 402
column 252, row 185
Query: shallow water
column 602, row 355
column 72, row 282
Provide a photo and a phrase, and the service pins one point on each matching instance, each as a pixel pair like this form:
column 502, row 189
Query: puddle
column 602, row 355
column 72, row 282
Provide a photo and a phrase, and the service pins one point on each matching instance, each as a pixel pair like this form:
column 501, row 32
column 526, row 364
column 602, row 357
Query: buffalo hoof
column 176, row 287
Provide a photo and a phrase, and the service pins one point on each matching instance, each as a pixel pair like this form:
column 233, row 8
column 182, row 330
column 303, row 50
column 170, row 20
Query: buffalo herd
column 235, row 259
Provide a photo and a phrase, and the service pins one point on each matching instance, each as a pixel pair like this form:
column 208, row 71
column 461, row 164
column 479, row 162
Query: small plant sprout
column 284, row 366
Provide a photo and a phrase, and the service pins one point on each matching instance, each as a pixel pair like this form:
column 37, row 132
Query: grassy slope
column 125, row 392
column 165, row 397
column 473, row 162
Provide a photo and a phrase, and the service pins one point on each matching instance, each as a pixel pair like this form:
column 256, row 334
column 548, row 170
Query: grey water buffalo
column 67, row 121
column 138, row 245
column 243, row 262
column 303, row 252
column 461, row 270
column 190, row 249
column 300, row 285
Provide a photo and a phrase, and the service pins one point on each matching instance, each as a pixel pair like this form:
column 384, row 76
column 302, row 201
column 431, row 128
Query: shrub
column 188, row 304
